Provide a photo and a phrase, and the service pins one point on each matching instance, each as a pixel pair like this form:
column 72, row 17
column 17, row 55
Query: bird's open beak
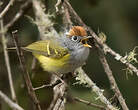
column 84, row 41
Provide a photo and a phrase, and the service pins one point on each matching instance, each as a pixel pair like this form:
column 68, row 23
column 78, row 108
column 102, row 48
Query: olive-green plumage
column 51, row 56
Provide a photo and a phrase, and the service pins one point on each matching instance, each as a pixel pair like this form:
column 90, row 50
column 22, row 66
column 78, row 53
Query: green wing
column 47, row 48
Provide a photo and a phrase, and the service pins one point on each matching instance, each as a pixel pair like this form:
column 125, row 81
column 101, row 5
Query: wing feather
column 47, row 48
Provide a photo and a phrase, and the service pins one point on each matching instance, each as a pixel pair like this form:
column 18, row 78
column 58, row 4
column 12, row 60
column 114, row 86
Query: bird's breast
column 79, row 56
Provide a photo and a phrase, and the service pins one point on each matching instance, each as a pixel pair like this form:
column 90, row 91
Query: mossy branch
column 83, row 78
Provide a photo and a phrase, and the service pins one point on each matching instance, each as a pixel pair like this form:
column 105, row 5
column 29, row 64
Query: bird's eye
column 74, row 38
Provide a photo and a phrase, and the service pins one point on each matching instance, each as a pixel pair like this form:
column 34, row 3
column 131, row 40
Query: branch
column 66, row 17
column 0, row 105
column 19, row 14
column 89, row 103
column 83, row 78
column 52, row 84
column 9, row 102
column 112, row 81
column 57, row 4
column 42, row 20
column 43, row 86
column 106, row 48
column 6, row 56
column 58, row 102
column 33, row 64
column 46, row 29
column 26, row 74
column 6, row 8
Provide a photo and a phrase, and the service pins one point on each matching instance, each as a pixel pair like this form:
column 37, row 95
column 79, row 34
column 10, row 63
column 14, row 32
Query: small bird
column 64, row 54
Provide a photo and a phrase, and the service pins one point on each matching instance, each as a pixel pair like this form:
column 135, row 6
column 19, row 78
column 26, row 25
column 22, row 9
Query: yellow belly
column 52, row 64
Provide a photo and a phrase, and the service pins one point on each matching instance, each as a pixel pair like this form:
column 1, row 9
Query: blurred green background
column 118, row 19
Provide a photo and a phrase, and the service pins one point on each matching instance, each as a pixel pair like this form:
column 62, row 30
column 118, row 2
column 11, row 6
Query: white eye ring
column 74, row 38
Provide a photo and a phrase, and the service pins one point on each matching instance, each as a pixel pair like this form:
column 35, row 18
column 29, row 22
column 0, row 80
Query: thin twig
column 6, row 8
column 26, row 74
column 18, row 14
column 66, row 17
column 72, row 12
column 89, row 103
column 106, row 48
column 57, row 4
column 6, row 56
column 43, row 86
column 9, row 102
column 112, row 81
column 48, row 85
column 33, row 63
column 0, row 105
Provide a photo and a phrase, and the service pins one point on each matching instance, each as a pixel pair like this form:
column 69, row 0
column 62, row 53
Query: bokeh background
column 118, row 19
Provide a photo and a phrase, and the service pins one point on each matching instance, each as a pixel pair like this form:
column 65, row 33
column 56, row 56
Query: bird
column 62, row 54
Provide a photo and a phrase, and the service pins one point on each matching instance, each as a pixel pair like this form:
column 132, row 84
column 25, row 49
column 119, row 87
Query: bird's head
column 79, row 35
